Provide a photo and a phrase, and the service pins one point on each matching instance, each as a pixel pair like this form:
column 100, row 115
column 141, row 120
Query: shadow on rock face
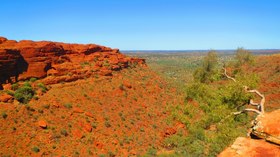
column 12, row 64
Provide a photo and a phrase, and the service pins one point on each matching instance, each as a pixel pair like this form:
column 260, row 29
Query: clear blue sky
column 146, row 24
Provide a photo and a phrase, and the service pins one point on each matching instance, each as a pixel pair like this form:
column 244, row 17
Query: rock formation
column 56, row 62
column 266, row 128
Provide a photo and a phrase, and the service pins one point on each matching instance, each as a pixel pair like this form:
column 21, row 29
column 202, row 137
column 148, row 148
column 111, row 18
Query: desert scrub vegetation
column 210, row 128
column 35, row 149
column 244, row 56
column 33, row 79
column 24, row 93
column 207, row 112
column 4, row 115
column 42, row 87
column 208, row 71
column 68, row 105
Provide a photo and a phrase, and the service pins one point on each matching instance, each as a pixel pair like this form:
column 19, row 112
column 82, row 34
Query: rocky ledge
column 266, row 141
column 56, row 62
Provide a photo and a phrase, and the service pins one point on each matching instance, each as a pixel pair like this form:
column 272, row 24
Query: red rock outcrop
column 5, row 98
column 246, row 147
column 58, row 62
column 267, row 128
column 268, row 124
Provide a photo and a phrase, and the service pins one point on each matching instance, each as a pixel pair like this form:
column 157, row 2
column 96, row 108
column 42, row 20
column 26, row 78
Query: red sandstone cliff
column 58, row 62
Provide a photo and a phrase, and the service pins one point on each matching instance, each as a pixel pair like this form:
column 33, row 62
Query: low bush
column 33, row 79
column 68, row 105
column 42, row 87
column 15, row 86
column 24, row 94
column 35, row 149
column 4, row 115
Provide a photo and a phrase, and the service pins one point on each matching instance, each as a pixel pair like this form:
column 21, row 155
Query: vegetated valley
column 62, row 99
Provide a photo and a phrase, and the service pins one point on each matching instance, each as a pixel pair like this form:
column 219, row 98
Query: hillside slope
column 96, row 102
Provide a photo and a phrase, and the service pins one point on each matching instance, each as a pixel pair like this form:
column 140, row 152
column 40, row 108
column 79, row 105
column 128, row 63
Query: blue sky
column 146, row 24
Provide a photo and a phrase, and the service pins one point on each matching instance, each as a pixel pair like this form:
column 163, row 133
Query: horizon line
column 267, row 49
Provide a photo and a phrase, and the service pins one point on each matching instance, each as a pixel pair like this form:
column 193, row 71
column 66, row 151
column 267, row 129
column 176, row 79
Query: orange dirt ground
column 122, row 115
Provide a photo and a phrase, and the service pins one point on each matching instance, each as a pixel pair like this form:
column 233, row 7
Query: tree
column 243, row 56
column 208, row 72
column 260, row 105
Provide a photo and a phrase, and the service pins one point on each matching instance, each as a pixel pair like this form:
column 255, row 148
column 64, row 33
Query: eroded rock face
column 267, row 128
column 58, row 62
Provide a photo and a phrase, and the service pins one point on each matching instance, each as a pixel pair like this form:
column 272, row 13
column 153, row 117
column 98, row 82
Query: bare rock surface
column 57, row 62
column 266, row 128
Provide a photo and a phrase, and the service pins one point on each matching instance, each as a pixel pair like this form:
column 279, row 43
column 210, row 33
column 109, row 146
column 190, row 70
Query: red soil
column 268, row 68
column 105, row 117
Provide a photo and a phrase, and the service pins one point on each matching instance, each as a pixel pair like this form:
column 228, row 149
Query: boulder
column 77, row 110
column 89, row 114
column 6, row 98
column 42, row 124
column 87, row 127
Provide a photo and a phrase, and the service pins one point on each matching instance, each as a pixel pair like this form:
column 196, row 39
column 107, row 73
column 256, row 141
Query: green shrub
column 4, row 115
column 35, row 149
column 106, row 63
column 43, row 87
column 24, row 94
column 208, row 71
column 243, row 56
column 15, row 86
column 152, row 152
column 107, row 124
column 33, row 79
column 83, row 64
column 68, row 105
column 64, row 132
column 27, row 84
column 11, row 93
